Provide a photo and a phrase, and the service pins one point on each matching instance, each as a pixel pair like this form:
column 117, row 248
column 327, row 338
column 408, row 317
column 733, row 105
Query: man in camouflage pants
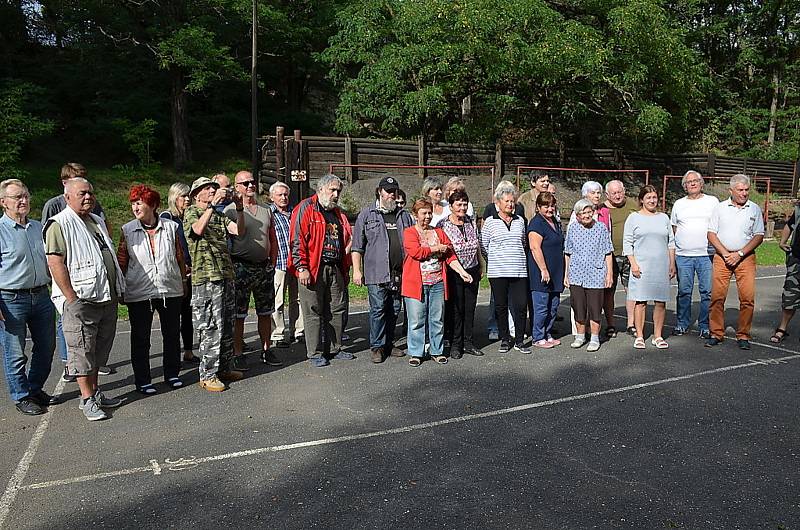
column 213, row 294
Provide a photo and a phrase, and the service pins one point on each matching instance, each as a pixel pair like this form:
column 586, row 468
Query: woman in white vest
column 151, row 257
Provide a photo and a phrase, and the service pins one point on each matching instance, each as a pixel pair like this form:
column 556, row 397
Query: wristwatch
column 301, row 269
column 741, row 254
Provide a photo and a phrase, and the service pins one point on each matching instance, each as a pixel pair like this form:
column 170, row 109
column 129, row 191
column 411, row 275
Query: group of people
column 198, row 262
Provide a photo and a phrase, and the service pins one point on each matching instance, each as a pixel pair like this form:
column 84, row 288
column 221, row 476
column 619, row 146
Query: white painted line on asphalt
column 15, row 482
column 181, row 464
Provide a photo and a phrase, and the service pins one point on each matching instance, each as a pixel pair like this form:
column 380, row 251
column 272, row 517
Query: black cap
column 389, row 183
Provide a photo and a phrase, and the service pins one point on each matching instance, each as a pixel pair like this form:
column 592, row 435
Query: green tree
column 18, row 124
column 621, row 74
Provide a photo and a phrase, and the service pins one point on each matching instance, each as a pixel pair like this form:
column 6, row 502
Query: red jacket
column 307, row 234
column 415, row 253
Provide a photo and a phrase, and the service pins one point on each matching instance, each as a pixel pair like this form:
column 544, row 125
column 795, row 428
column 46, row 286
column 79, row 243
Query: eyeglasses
column 693, row 181
column 18, row 197
column 247, row 183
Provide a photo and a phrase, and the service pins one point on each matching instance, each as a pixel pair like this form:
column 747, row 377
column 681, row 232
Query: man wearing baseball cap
column 213, row 291
column 378, row 264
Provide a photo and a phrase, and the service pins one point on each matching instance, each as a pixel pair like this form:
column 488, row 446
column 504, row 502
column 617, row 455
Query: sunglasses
column 247, row 183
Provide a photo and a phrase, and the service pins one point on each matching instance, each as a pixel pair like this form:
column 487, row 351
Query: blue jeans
column 687, row 267
column 545, row 307
column 61, row 342
column 430, row 311
column 25, row 311
column 384, row 306
column 491, row 325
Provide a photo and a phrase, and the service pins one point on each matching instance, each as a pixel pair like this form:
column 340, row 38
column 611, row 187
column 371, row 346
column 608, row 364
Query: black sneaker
column 713, row 341
column 67, row 378
column 677, row 332
column 44, row 399
column 704, row 334
column 472, row 350
column 744, row 344
column 105, row 370
column 522, row 348
column 282, row 344
column 505, row 346
column 269, row 357
column 29, row 407
column 239, row 363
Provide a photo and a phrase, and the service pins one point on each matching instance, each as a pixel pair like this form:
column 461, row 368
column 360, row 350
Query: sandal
column 175, row 382
column 631, row 331
column 415, row 361
column 777, row 339
column 611, row 332
column 440, row 359
column 659, row 343
column 639, row 343
column 147, row 389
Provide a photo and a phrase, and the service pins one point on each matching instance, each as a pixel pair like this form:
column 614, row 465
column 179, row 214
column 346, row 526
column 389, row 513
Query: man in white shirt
column 735, row 230
column 693, row 253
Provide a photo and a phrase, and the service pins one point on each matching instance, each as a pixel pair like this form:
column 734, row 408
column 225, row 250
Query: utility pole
column 256, row 163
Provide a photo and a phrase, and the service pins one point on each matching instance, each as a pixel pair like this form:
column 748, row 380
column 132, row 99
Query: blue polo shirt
column 23, row 264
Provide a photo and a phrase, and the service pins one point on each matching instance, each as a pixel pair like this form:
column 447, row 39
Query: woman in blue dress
column 649, row 244
column 545, row 269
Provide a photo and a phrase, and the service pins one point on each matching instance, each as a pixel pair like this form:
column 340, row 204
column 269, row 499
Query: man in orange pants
column 735, row 230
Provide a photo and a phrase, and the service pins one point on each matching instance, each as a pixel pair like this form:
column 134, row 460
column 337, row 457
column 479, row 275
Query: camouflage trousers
column 790, row 298
column 214, row 309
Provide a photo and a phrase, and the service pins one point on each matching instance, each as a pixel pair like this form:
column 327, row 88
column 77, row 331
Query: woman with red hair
column 151, row 257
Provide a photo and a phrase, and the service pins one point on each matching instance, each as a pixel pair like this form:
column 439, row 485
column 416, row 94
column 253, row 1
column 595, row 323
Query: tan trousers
column 286, row 295
column 745, row 273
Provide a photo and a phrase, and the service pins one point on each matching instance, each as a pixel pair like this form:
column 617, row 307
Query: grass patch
column 770, row 254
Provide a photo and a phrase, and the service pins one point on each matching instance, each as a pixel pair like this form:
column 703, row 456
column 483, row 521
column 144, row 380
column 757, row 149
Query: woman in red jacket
column 428, row 250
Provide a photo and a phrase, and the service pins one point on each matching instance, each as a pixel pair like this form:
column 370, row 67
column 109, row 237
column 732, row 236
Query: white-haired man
column 25, row 304
column 320, row 258
column 619, row 208
column 693, row 253
column 87, row 284
column 283, row 331
column 736, row 229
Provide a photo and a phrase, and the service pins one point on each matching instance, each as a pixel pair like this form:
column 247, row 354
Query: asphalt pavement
column 688, row 437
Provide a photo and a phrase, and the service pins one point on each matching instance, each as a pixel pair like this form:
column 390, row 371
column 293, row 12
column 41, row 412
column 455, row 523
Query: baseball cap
column 389, row 183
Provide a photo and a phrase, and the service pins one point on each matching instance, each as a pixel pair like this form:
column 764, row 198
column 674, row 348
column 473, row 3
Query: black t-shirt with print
column 395, row 250
column 332, row 246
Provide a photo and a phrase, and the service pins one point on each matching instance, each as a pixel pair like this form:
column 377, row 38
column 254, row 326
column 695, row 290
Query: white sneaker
column 593, row 346
column 92, row 410
column 577, row 343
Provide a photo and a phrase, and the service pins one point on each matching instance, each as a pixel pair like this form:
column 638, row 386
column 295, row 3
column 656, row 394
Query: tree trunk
column 466, row 109
column 773, row 110
column 182, row 147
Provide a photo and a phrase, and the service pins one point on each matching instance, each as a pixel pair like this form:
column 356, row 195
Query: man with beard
column 378, row 263
column 319, row 257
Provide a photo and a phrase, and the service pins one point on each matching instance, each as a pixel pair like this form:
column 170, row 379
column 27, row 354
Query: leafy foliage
column 18, row 125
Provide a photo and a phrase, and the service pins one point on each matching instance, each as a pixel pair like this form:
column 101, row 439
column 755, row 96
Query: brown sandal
column 777, row 339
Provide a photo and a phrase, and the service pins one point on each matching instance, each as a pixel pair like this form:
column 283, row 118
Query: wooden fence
column 326, row 151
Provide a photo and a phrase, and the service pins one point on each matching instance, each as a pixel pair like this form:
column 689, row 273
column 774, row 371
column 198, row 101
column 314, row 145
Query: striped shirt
column 504, row 246
column 281, row 220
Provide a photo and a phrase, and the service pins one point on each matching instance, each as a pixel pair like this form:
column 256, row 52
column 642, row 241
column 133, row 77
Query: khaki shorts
column 89, row 330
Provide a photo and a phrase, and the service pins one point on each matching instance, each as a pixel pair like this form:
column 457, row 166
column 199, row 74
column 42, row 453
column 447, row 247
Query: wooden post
column 795, row 178
column 280, row 161
column 421, row 158
column 296, row 172
column 348, row 159
column 711, row 170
